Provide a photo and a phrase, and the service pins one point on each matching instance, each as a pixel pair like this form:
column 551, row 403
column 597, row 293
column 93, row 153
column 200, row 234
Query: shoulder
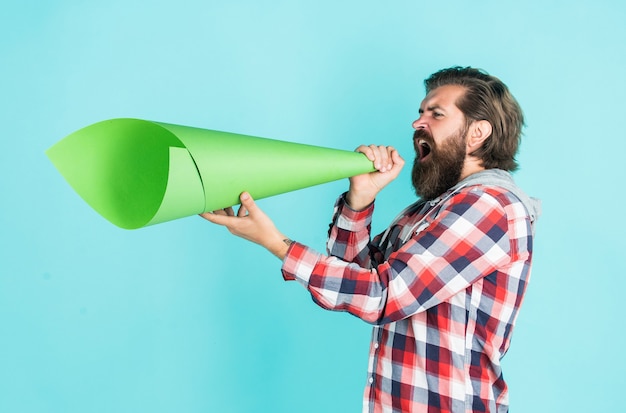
column 469, row 216
column 477, row 198
column 487, row 196
column 481, row 205
column 486, row 206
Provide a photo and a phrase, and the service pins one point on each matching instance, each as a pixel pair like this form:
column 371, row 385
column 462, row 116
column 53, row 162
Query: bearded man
column 443, row 285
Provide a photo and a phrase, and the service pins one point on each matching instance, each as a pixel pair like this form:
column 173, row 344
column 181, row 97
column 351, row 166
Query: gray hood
column 503, row 179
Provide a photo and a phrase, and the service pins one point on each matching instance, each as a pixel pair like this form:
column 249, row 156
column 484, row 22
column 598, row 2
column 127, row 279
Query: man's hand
column 252, row 224
column 364, row 188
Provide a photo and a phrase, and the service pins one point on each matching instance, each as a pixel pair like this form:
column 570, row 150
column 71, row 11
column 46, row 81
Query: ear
column 479, row 130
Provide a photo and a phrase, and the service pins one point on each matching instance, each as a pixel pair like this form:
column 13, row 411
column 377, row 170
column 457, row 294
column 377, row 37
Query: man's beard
column 443, row 168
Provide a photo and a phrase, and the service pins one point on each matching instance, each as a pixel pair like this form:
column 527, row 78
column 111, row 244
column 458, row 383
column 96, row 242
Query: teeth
column 424, row 148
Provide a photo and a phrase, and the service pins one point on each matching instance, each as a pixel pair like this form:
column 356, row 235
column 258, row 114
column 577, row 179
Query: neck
column 471, row 166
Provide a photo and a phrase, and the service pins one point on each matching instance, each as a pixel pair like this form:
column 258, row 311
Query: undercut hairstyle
column 486, row 98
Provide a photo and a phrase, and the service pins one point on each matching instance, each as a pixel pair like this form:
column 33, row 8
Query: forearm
column 349, row 234
column 279, row 247
column 335, row 284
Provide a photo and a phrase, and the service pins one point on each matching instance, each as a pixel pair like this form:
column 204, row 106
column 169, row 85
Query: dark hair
column 486, row 98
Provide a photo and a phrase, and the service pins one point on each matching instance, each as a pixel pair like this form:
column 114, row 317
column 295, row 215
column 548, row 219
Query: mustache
column 422, row 134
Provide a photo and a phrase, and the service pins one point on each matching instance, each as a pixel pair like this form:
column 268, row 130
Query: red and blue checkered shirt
column 442, row 287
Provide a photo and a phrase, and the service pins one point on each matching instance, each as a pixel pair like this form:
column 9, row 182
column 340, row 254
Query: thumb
column 397, row 159
column 247, row 202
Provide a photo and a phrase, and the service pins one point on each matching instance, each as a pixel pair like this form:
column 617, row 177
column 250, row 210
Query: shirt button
column 371, row 380
column 375, row 345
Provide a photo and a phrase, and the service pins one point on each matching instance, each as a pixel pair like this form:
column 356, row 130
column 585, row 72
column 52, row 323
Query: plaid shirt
column 442, row 287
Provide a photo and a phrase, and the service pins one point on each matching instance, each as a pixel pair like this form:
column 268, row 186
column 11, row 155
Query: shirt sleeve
column 349, row 234
column 466, row 241
column 348, row 240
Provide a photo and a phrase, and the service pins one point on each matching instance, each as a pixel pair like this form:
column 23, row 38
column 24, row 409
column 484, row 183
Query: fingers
column 219, row 216
column 382, row 156
column 226, row 212
column 216, row 217
column 226, row 216
column 242, row 212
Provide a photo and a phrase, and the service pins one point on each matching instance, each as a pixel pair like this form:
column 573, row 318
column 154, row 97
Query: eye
column 437, row 114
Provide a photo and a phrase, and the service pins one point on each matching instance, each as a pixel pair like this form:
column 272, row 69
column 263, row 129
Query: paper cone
column 137, row 173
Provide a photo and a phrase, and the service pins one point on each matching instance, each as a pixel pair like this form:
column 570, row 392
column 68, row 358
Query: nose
column 419, row 123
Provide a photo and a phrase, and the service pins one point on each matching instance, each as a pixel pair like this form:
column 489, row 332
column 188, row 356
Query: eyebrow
column 430, row 108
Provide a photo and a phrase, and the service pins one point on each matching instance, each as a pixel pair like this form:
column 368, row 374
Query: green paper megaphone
column 137, row 173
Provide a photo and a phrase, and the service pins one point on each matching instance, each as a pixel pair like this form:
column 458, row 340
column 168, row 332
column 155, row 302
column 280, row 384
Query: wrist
column 359, row 202
column 280, row 246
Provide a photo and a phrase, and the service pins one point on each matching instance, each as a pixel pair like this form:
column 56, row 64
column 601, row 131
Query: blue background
column 183, row 317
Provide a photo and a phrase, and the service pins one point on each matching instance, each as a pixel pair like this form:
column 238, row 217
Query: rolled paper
column 137, row 173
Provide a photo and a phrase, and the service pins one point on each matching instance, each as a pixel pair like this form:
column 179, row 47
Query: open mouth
column 423, row 149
